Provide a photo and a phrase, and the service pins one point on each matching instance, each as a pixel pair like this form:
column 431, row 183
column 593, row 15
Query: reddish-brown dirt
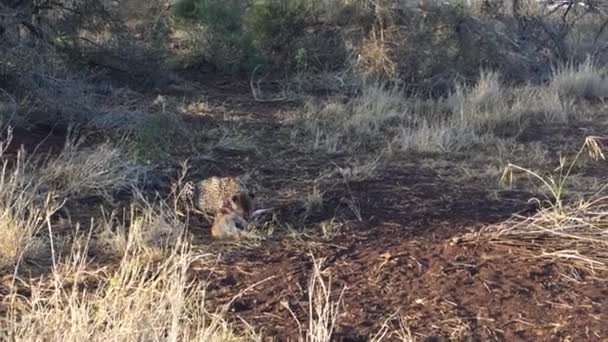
column 395, row 257
column 443, row 290
column 400, row 257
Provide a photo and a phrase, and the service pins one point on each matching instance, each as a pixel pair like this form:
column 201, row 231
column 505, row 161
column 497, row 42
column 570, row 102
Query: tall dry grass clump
column 150, row 229
column 383, row 115
column 574, row 233
column 322, row 309
column 25, row 207
column 100, row 170
column 489, row 105
column 336, row 125
column 482, row 105
column 33, row 188
column 139, row 300
column 472, row 114
column 584, row 81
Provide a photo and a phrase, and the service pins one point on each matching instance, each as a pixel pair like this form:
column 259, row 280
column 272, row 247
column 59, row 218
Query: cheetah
column 215, row 194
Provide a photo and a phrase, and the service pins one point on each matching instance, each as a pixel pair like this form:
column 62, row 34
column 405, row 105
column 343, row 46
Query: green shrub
column 229, row 45
column 277, row 26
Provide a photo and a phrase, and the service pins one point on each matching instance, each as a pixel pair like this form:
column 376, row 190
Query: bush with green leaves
column 229, row 44
column 239, row 35
column 277, row 26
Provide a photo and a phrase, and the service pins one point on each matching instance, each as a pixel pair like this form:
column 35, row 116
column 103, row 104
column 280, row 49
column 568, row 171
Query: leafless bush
column 32, row 70
column 121, row 39
column 47, row 53
column 430, row 45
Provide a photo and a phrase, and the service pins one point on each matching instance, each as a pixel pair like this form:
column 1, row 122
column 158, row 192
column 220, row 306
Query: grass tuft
column 583, row 81
column 25, row 208
column 102, row 170
column 574, row 233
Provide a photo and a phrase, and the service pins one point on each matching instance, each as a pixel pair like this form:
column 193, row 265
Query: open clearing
column 390, row 240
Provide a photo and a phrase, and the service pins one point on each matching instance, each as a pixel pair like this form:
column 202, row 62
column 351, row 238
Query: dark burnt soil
column 394, row 255
column 442, row 290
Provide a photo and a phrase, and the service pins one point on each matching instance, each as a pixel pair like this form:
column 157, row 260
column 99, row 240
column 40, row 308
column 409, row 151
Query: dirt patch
column 442, row 289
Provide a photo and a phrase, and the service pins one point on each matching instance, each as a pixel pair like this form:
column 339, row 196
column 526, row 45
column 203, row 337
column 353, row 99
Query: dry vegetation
column 380, row 162
column 573, row 233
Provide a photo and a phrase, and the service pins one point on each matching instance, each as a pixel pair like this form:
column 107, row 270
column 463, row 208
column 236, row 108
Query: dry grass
column 542, row 103
column 438, row 136
column 375, row 57
column 313, row 200
column 24, row 208
column 360, row 169
column 384, row 116
column 33, row 189
column 150, row 229
column 232, row 138
column 338, row 125
column 401, row 332
column 404, row 333
column 101, row 170
column 330, row 228
column 148, row 294
column 489, row 105
column 575, row 233
column 584, row 81
column 139, row 300
column 481, row 104
column 323, row 310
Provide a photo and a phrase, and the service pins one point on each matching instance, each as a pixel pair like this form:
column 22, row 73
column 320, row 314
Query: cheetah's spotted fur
column 210, row 195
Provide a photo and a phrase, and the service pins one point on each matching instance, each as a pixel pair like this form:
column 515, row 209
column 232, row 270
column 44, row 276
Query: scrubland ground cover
column 435, row 170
